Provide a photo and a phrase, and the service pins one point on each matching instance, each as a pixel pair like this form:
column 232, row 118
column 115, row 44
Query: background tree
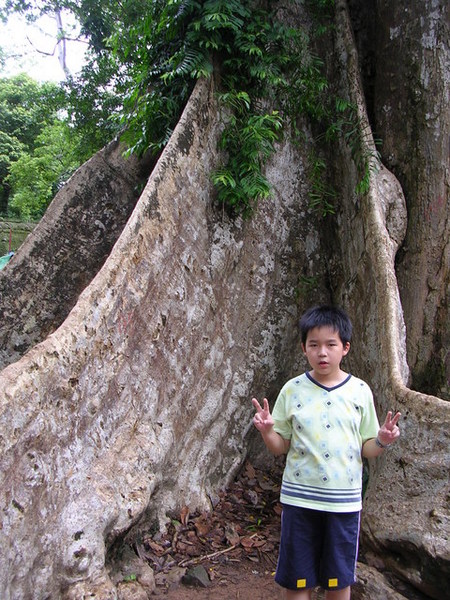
column 42, row 142
column 26, row 108
column 84, row 103
column 10, row 150
column 36, row 176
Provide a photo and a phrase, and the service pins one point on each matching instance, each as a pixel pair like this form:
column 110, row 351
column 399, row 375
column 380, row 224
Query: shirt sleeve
column 369, row 423
column 282, row 422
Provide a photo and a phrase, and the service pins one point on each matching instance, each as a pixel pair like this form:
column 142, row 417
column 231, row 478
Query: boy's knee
column 298, row 595
column 343, row 594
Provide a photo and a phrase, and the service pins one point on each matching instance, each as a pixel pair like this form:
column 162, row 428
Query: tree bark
column 61, row 46
column 412, row 117
column 138, row 404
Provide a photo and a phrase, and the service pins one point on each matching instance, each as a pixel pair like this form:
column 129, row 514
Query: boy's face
column 324, row 350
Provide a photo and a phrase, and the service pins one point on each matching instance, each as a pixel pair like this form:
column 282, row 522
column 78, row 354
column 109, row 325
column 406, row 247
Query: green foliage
column 146, row 49
column 35, row 178
column 249, row 141
column 39, row 149
column 146, row 56
column 346, row 124
column 161, row 54
column 92, row 105
column 10, row 150
column 256, row 525
column 260, row 59
column 84, row 106
column 306, row 92
column 26, row 108
column 321, row 12
column 321, row 195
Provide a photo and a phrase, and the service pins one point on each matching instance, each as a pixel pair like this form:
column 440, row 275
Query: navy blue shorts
column 317, row 548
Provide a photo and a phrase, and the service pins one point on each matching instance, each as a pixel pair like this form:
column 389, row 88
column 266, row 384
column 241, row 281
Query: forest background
column 43, row 137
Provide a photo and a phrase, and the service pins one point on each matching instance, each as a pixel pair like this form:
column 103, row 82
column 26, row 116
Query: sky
column 32, row 48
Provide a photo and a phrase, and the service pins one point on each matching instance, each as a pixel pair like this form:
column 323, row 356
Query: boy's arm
column 263, row 422
column 387, row 435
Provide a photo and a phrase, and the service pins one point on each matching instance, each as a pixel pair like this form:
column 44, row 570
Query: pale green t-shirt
column 327, row 428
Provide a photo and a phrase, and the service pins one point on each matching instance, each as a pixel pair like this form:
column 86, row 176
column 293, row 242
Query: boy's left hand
column 389, row 432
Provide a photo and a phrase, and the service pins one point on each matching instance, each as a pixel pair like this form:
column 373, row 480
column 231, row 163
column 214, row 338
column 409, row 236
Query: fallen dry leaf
column 247, row 541
column 184, row 515
column 250, row 470
column 278, row 509
column 231, row 535
column 157, row 548
column 202, row 526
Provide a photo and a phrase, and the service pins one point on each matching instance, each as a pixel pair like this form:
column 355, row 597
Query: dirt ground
column 233, row 583
column 228, row 554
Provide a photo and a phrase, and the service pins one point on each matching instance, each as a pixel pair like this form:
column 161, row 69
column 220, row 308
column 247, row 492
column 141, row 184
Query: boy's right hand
column 262, row 420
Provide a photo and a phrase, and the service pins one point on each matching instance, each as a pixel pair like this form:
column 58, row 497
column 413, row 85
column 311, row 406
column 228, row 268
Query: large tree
column 138, row 404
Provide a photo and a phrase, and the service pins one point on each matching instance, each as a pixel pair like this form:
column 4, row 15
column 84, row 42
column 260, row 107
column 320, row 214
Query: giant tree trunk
column 412, row 117
column 139, row 403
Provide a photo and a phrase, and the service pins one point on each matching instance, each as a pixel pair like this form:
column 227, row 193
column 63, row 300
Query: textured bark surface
column 65, row 250
column 138, row 403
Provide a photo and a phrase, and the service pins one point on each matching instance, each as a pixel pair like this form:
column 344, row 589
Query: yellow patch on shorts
column 301, row 583
column 332, row 583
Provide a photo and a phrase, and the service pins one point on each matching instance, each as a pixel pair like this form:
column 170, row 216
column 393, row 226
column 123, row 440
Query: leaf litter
column 229, row 551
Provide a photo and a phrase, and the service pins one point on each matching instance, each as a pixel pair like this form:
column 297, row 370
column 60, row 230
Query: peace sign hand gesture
column 262, row 420
column 389, row 432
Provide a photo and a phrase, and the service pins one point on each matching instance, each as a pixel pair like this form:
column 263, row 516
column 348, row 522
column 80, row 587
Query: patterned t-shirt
column 327, row 428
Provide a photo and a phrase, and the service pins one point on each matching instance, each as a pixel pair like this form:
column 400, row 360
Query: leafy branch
column 249, row 140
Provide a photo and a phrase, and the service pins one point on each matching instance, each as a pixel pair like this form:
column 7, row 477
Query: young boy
column 325, row 421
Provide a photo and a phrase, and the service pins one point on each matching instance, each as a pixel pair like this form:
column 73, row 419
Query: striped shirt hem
column 316, row 494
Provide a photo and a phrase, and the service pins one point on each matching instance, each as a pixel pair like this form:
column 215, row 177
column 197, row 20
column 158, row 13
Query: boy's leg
column 306, row 594
column 338, row 594
column 298, row 595
column 299, row 554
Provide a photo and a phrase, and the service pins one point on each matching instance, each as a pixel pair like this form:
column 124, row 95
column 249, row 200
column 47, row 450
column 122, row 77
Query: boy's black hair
column 326, row 315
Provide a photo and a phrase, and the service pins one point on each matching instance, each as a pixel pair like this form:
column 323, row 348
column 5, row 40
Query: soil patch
column 226, row 554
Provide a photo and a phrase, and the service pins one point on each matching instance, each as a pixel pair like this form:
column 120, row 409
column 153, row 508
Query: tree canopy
column 26, row 109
